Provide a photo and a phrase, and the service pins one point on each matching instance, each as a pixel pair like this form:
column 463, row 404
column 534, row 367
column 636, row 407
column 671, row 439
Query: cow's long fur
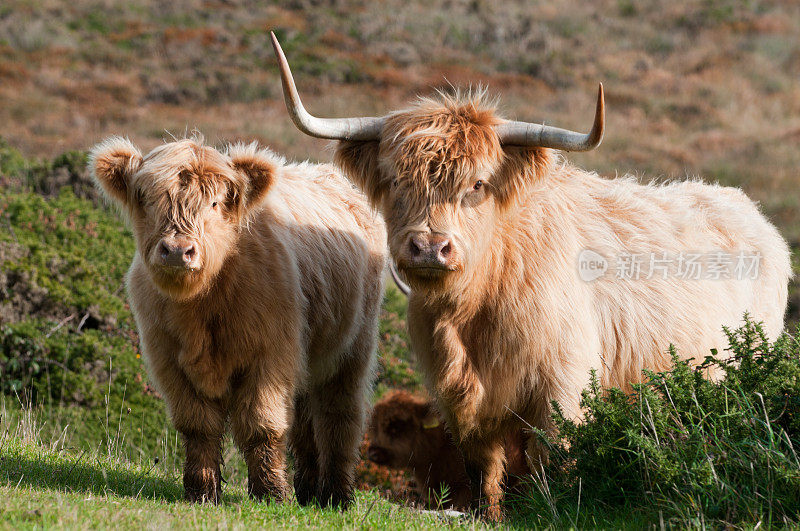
column 514, row 326
column 276, row 332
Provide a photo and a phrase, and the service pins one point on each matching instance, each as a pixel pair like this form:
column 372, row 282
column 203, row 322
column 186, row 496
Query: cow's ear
column 258, row 166
column 112, row 163
column 520, row 170
column 359, row 161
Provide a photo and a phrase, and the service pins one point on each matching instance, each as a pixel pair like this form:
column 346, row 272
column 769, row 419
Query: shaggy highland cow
column 527, row 272
column 255, row 286
column 405, row 432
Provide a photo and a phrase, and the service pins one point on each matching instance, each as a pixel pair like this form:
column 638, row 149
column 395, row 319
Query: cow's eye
column 214, row 204
column 478, row 185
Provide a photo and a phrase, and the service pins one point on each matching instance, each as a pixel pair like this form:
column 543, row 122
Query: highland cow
column 256, row 286
column 405, row 432
column 527, row 272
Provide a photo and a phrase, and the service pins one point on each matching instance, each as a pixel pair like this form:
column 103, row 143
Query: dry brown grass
column 702, row 87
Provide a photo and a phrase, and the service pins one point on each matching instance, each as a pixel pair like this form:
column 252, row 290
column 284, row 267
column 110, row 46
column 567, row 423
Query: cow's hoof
column 492, row 513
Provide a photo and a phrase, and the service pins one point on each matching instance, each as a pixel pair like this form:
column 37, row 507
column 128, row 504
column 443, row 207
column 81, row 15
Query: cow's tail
column 402, row 286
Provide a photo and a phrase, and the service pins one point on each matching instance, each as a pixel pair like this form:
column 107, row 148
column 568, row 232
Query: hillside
column 697, row 88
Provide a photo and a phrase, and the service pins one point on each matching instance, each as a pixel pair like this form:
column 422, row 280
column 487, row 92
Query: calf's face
column 187, row 204
column 397, row 429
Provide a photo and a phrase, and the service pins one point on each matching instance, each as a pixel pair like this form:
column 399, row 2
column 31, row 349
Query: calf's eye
column 478, row 185
column 214, row 204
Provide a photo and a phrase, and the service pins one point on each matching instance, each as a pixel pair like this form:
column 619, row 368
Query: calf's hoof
column 304, row 490
column 260, row 491
column 202, row 493
column 341, row 498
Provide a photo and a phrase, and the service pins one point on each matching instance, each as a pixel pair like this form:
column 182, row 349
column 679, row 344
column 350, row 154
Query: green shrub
column 39, row 363
column 11, row 160
column 63, row 254
column 682, row 446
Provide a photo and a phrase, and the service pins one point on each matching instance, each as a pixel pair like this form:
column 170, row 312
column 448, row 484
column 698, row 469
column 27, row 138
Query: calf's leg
column 201, row 472
column 338, row 407
column 304, row 448
column 265, row 454
column 260, row 414
column 199, row 419
column 201, row 423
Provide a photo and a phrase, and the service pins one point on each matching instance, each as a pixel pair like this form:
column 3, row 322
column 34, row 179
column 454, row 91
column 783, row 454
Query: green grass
column 55, row 487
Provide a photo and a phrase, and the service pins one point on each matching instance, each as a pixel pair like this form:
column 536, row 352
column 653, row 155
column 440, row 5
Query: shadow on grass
column 85, row 474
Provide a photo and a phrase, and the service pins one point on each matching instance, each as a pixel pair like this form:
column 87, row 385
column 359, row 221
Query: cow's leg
column 484, row 459
column 304, row 448
column 338, row 412
column 537, row 454
column 260, row 412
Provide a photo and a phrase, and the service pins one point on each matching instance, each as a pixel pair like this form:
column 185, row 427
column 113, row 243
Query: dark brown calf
column 406, row 432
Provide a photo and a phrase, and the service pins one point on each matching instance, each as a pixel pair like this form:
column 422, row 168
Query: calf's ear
column 429, row 417
column 112, row 163
column 258, row 166
column 359, row 161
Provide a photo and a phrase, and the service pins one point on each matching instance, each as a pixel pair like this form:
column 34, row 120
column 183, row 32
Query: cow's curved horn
column 527, row 134
column 367, row 128
column 402, row 286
